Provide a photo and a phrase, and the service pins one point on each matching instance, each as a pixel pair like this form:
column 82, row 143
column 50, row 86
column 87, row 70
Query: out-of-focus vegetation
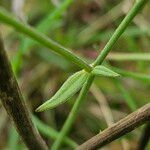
column 83, row 26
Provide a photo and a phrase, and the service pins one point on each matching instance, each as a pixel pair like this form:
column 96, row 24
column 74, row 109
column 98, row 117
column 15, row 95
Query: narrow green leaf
column 68, row 89
column 103, row 71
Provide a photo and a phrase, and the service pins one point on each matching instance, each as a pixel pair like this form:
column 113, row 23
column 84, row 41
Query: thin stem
column 72, row 116
column 138, row 5
column 14, row 104
column 118, row 129
column 5, row 17
column 44, row 26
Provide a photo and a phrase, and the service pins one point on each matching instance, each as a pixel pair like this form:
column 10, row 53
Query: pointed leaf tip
column 68, row 89
column 103, row 71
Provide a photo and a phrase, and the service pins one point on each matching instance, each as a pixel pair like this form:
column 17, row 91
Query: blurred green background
column 83, row 26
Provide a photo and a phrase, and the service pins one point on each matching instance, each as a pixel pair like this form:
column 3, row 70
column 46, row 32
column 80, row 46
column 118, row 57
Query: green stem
column 99, row 60
column 119, row 31
column 73, row 114
column 44, row 26
column 5, row 17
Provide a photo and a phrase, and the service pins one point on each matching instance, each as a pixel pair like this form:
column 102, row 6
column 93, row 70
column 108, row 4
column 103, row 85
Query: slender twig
column 14, row 104
column 118, row 129
column 145, row 137
column 73, row 114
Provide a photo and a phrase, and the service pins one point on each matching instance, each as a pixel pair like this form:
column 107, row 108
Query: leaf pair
column 73, row 85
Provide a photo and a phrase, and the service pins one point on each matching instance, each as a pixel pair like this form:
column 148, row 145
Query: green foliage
column 5, row 17
column 44, row 26
column 98, row 61
column 103, row 71
column 82, row 79
column 68, row 89
column 121, row 28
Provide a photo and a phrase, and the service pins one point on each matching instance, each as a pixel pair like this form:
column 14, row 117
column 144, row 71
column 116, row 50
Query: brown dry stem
column 14, row 104
column 118, row 129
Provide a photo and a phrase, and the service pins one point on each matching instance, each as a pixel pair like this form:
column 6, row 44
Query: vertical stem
column 98, row 61
column 138, row 5
column 73, row 114
column 14, row 104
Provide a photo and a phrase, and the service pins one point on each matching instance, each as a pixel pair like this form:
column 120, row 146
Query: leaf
column 68, row 89
column 103, row 71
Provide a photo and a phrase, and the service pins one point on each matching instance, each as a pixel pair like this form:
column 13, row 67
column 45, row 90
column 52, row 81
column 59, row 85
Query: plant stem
column 12, row 100
column 118, row 129
column 44, row 26
column 138, row 5
column 72, row 116
column 5, row 17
